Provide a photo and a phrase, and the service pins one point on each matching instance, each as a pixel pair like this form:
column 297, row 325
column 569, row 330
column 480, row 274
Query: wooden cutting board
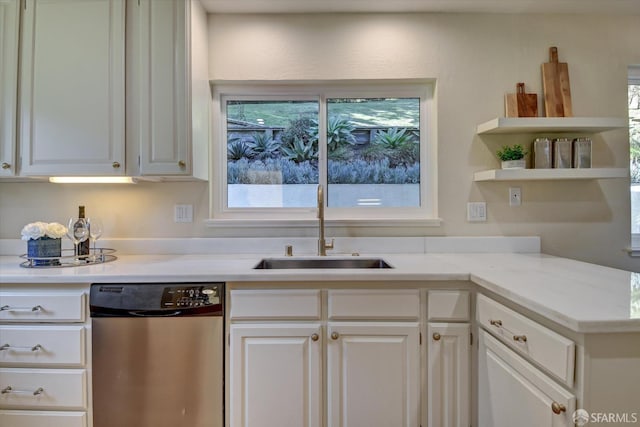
column 556, row 88
column 521, row 104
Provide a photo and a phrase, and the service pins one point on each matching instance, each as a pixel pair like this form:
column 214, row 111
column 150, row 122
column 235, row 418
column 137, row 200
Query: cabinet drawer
column 399, row 304
column 275, row 304
column 545, row 347
column 42, row 345
column 448, row 305
column 41, row 307
column 53, row 388
column 42, row 419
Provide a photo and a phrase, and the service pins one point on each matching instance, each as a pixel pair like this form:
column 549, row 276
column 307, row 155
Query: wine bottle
column 83, row 247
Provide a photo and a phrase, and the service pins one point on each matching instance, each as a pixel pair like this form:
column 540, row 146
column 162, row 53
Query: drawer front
column 545, row 347
column 42, row 419
column 42, row 345
column 42, row 307
column 42, row 388
column 275, row 304
column 448, row 305
column 378, row 304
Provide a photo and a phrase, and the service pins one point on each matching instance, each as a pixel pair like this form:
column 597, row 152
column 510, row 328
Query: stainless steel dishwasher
column 157, row 354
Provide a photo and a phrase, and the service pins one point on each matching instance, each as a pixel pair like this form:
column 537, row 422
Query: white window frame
column 425, row 215
column 634, row 78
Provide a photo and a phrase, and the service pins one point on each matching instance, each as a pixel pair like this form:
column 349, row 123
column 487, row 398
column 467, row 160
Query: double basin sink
column 320, row 263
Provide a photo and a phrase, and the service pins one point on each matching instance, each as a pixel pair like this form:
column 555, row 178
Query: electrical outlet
column 476, row 211
column 183, row 213
column 515, row 196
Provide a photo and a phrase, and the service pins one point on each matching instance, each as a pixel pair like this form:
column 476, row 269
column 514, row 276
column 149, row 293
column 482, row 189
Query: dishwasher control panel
column 156, row 299
column 189, row 296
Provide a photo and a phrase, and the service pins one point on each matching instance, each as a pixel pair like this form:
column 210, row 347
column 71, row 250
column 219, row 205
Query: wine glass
column 77, row 231
column 95, row 231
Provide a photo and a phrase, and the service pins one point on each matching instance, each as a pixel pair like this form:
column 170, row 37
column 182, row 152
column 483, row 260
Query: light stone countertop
column 582, row 297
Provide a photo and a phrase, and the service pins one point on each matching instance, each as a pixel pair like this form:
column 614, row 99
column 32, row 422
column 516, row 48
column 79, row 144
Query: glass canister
column 541, row 153
column 582, row 153
column 562, row 153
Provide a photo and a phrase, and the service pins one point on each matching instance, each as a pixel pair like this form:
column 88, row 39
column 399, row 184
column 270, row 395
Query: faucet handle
column 329, row 245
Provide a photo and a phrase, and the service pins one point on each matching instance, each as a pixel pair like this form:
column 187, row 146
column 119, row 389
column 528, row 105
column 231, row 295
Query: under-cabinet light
column 92, row 180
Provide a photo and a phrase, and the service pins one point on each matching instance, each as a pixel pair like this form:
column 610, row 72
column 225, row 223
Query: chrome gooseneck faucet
column 322, row 244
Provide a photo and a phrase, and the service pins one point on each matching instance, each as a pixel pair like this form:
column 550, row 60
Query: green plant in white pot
column 512, row 157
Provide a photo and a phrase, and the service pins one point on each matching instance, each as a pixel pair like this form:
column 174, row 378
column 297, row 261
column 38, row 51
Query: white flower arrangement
column 36, row 230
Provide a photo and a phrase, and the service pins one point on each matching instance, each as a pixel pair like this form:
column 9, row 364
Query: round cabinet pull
column 335, row 335
column 6, row 165
column 182, row 164
column 314, row 337
column 558, row 408
column 115, row 165
column 436, row 336
column 495, row 322
column 520, row 338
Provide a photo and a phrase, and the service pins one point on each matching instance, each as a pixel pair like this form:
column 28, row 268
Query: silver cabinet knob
column 182, row 164
column 115, row 165
column 315, row 337
column 436, row 336
column 335, row 335
column 6, row 165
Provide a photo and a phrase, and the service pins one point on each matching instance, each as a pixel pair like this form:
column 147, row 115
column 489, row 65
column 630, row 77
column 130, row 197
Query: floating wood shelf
column 551, row 124
column 549, row 174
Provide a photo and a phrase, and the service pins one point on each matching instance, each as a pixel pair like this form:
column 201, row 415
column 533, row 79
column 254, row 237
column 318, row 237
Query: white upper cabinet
column 168, row 90
column 9, row 25
column 72, row 87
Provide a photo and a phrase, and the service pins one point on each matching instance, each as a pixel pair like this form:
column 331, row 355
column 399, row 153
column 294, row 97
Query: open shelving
column 549, row 174
column 506, row 125
column 542, row 125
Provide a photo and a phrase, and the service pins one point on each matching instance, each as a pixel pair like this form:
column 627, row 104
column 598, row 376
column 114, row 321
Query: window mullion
column 322, row 145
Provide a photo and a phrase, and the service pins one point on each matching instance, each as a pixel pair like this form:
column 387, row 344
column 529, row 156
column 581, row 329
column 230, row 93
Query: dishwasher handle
column 155, row 313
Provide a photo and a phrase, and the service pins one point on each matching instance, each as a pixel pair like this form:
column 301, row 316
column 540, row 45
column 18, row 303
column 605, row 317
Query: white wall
column 475, row 59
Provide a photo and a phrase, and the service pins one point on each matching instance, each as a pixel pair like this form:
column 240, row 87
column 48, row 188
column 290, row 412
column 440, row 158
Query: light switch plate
column 476, row 211
column 183, row 213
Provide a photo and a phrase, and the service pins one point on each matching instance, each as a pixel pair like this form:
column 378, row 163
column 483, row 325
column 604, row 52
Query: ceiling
column 465, row 6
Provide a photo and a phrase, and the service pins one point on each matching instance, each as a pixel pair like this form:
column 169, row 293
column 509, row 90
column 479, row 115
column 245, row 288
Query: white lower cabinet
column 276, row 375
column 312, row 372
column 512, row 392
column 43, row 380
column 42, row 419
column 448, row 376
column 373, row 374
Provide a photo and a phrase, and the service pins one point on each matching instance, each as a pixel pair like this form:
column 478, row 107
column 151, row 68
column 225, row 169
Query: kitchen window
column 634, row 143
column 372, row 147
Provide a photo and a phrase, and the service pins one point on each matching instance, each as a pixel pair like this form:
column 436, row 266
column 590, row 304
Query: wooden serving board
column 521, row 104
column 556, row 87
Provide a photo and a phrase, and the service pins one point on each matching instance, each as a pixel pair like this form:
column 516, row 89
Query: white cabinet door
column 448, row 374
column 9, row 24
column 275, row 375
column 373, row 374
column 167, row 61
column 72, row 87
column 512, row 392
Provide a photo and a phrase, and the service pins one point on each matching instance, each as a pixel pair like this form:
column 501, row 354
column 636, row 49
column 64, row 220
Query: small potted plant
column 512, row 157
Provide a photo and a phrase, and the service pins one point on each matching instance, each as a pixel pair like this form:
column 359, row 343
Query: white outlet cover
column 476, row 211
column 515, row 196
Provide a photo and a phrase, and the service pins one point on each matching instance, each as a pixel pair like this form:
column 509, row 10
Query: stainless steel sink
column 306, row 263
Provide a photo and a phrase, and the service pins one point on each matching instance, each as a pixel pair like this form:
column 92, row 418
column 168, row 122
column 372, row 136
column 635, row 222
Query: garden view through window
column 364, row 150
